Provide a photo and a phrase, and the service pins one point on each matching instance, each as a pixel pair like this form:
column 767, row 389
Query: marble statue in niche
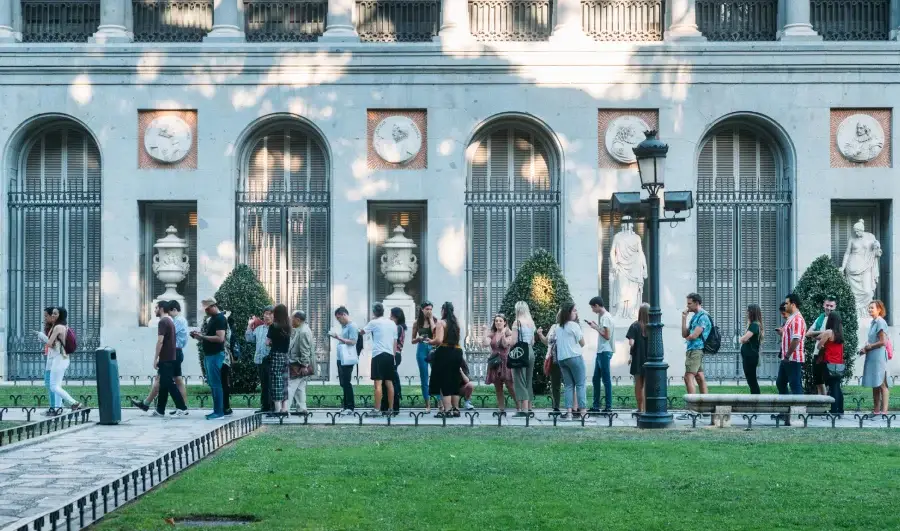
column 860, row 267
column 860, row 138
column 628, row 269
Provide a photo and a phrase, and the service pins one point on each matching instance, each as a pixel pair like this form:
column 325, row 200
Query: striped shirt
column 794, row 328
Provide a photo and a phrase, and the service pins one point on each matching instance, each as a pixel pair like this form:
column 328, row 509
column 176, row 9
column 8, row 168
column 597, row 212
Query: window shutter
column 478, row 177
column 479, row 273
column 499, row 161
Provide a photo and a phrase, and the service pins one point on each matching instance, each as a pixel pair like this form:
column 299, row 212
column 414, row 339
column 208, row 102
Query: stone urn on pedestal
column 399, row 265
column 170, row 265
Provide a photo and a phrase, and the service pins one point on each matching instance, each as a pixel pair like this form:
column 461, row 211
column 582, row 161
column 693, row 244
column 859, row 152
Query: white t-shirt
column 567, row 339
column 606, row 345
column 384, row 335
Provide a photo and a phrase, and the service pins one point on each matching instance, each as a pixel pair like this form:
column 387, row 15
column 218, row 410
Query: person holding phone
column 605, row 348
column 347, row 339
column 422, row 331
column 257, row 330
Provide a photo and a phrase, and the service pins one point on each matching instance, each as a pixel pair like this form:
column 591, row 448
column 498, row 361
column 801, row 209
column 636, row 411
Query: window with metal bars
column 54, row 247
column 512, row 203
column 283, row 228
column 743, row 240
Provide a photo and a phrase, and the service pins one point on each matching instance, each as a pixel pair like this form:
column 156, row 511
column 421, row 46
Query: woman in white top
column 569, row 340
column 523, row 330
column 58, row 359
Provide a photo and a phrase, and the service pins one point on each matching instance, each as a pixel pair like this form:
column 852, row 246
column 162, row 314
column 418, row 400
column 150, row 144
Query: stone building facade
column 290, row 115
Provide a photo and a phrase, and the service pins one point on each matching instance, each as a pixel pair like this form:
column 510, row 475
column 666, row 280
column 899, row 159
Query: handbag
column 548, row 360
column 300, row 371
column 835, row 370
column 494, row 361
column 518, row 355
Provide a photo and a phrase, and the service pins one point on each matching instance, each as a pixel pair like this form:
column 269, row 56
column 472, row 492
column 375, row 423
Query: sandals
column 76, row 406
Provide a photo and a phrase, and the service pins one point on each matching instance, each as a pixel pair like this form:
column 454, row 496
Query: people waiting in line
column 750, row 344
column 875, row 370
column 212, row 344
column 347, row 357
column 301, row 361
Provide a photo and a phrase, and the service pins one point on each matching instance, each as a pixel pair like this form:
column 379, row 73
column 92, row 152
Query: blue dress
column 875, row 371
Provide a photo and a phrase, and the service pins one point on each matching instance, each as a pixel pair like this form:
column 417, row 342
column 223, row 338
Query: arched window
column 283, row 231
column 512, row 203
column 54, row 245
column 743, row 239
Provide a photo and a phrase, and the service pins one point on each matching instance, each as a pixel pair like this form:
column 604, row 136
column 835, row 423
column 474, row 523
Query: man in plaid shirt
column 790, row 370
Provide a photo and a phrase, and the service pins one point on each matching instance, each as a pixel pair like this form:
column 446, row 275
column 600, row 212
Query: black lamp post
column 651, row 160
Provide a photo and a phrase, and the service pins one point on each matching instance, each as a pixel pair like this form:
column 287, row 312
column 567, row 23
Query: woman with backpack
column 59, row 358
column 53, row 401
column 831, row 347
column 523, row 330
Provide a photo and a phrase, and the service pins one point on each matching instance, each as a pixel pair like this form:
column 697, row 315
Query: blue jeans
column 213, row 364
column 422, row 350
column 54, row 400
column 790, row 372
column 573, row 373
column 602, row 374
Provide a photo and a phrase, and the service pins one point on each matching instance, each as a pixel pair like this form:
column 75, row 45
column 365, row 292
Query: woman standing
column 58, row 358
column 399, row 319
column 523, row 330
column 569, row 340
column 875, row 373
column 44, row 336
column 447, row 361
column 831, row 346
column 279, row 340
column 499, row 339
column 637, row 341
column 422, row 331
column 750, row 342
column 555, row 375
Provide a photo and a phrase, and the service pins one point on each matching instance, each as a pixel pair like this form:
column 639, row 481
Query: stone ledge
column 757, row 403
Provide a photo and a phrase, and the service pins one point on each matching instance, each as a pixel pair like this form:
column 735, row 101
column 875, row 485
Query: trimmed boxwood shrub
column 541, row 284
column 820, row 279
column 243, row 295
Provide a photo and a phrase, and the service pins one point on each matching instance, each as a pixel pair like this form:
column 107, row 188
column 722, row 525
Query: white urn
column 398, row 264
column 170, row 265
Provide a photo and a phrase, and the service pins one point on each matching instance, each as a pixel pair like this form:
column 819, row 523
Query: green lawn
column 335, row 478
column 6, row 424
column 330, row 395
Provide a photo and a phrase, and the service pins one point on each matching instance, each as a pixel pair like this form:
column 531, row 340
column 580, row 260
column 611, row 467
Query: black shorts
column 383, row 367
column 820, row 372
column 179, row 359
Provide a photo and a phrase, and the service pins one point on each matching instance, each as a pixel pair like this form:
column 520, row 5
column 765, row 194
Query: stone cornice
column 709, row 63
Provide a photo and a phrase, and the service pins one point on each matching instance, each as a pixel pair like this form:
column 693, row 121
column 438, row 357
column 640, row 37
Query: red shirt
column 794, row 328
column 834, row 353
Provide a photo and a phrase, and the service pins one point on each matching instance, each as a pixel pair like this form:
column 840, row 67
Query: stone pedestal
column 721, row 418
column 797, row 27
column 339, row 22
column 228, row 22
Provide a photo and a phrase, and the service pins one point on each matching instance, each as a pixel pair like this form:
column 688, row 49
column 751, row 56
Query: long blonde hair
column 523, row 314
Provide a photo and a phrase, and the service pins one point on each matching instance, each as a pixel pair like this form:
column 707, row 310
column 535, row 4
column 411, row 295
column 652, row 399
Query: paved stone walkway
column 48, row 473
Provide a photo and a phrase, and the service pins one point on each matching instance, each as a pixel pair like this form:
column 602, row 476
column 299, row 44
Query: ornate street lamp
column 651, row 161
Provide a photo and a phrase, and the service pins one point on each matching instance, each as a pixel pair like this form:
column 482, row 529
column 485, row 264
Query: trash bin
column 108, row 401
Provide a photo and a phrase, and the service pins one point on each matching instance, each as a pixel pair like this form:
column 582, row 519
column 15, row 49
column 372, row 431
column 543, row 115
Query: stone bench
column 722, row 406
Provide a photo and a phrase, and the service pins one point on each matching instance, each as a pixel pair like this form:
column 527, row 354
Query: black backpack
column 713, row 341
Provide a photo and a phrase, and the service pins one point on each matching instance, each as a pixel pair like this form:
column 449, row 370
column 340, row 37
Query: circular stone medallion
column 623, row 134
column 397, row 139
column 168, row 139
column 860, row 138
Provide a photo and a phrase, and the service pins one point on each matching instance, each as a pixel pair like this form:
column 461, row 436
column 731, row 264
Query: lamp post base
column 655, row 421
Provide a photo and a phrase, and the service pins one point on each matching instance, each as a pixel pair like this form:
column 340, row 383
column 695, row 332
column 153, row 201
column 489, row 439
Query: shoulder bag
column 518, row 355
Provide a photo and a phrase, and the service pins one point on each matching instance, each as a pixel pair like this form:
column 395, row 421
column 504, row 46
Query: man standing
column 790, row 370
column 164, row 362
column 695, row 334
column 384, row 338
column 820, row 369
column 212, row 343
column 256, row 334
column 181, row 339
column 604, row 354
column 347, row 340
column 300, row 359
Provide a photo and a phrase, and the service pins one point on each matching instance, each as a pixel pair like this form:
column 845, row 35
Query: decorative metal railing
column 623, row 20
column 511, row 20
column 738, row 20
column 398, row 20
column 284, row 20
column 172, row 20
column 59, row 20
column 851, row 20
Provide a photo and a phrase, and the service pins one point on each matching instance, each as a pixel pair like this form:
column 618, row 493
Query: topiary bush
column 244, row 296
column 541, row 284
column 820, row 279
